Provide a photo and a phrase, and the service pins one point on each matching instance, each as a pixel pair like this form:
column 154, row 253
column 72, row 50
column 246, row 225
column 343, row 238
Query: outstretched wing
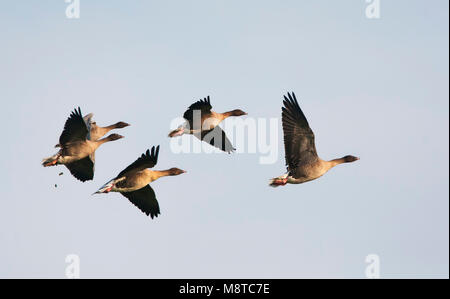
column 298, row 136
column 203, row 105
column 217, row 138
column 147, row 160
column 145, row 200
column 82, row 169
column 75, row 128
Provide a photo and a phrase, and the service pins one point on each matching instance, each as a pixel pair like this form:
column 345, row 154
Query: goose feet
column 278, row 182
column 51, row 163
column 281, row 182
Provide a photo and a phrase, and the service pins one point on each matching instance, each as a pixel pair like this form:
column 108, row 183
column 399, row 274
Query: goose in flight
column 203, row 123
column 133, row 182
column 303, row 163
column 76, row 149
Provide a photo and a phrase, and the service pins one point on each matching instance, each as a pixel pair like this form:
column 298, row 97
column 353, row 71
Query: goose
column 203, row 123
column 133, row 182
column 77, row 151
column 303, row 163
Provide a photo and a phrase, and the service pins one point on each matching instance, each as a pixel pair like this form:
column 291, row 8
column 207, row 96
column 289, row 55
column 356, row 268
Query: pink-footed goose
column 133, row 182
column 205, row 124
column 303, row 163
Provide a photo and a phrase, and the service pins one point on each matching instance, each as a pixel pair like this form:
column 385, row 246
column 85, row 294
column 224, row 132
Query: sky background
column 377, row 89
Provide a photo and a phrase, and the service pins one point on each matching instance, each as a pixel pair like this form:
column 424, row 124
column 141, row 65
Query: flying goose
column 303, row 163
column 203, row 123
column 133, row 182
column 77, row 151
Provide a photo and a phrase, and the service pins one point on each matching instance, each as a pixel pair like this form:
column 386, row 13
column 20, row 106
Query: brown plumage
column 303, row 163
column 77, row 151
column 133, row 182
column 203, row 123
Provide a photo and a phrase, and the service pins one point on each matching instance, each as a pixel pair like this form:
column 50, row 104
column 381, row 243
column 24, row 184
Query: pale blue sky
column 374, row 88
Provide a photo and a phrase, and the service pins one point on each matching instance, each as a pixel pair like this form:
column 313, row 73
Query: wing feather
column 75, row 128
column 146, row 160
column 203, row 105
column 82, row 169
column 145, row 200
column 217, row 138
column 298, row 137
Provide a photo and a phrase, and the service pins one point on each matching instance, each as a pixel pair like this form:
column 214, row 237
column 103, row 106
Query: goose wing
column 203, row 105
column 146, row 160
column 217, row 138
column 88, row 121
column 75, row 128
column 298, row 137
column 145, row 200
column 82, row 169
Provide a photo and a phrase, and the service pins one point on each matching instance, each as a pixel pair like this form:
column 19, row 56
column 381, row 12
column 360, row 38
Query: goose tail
column 106, row 187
